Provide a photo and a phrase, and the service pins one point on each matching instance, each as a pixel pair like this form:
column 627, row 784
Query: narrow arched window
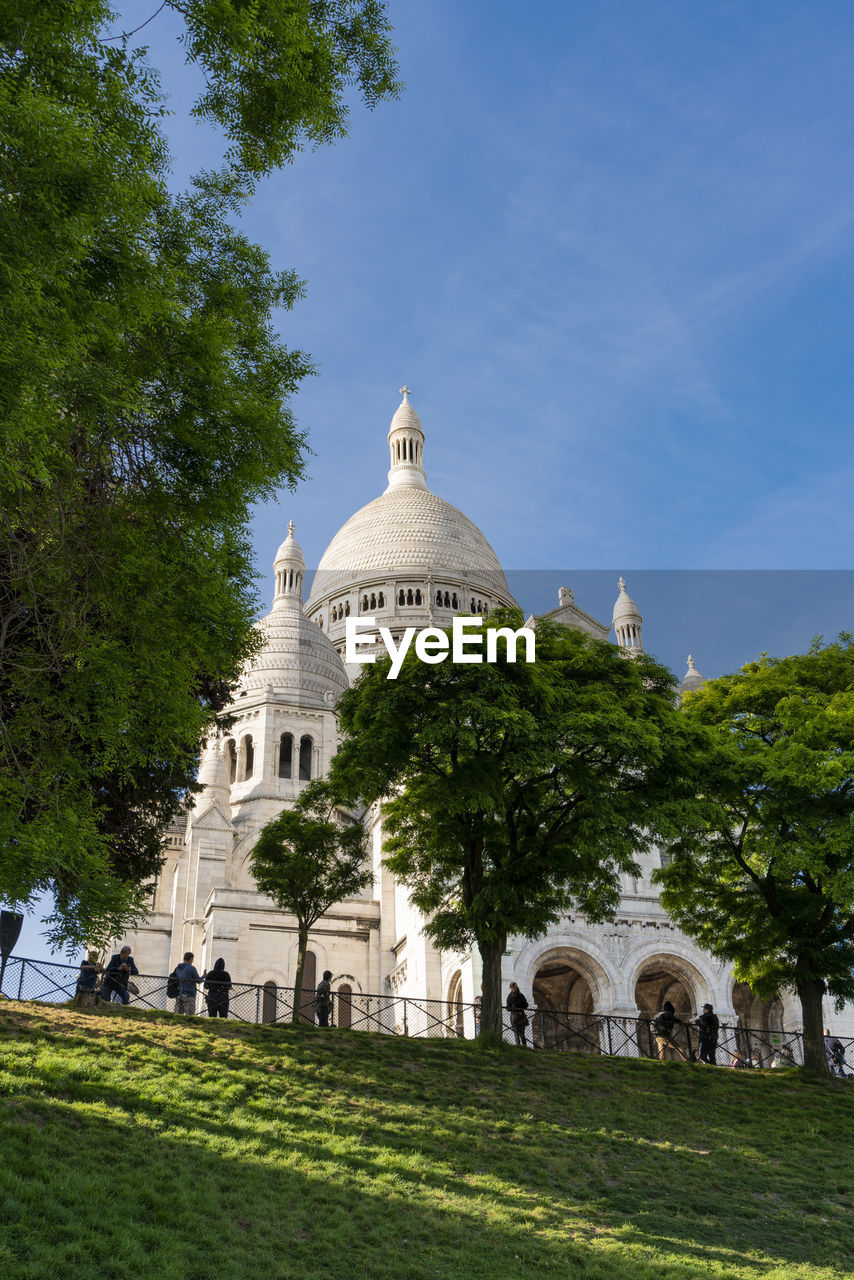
column 305, row 749
column 364, row 604
column 380, row 601
column 347, row 609
column 473, row 608
column 401, row 599
column 454, row 600
column 418, row 596
column 248, row 756
column 373, row 602
column 439, row 599
column 286, row 755
column 231, row 757
column 409, row 596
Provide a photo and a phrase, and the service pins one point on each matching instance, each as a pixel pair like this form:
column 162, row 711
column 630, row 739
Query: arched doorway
column 454, row 1021
column 760, row 1024
column 564, row 1002
column 659, row 980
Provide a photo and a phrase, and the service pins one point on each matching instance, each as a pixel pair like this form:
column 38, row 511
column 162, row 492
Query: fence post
column 610, row 1041
column 21, row 980
column 405, row 1018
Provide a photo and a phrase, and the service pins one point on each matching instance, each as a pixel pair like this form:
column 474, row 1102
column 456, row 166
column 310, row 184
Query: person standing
column 323, row 999
column 85, row 994
column 217, row 987
column 517, row 1004
column 835, row 1051
column 664, row 1026
column 117, row 976
column 188, row 980
column 708, row 1027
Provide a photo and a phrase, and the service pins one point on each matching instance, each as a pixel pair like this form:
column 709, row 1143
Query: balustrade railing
column 547, row 1029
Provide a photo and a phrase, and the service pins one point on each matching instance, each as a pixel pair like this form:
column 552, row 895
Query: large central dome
column 409, row 557
column 406, row 529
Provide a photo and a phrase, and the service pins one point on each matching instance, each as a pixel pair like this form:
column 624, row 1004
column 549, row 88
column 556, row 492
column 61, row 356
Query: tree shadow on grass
column 110, row 1200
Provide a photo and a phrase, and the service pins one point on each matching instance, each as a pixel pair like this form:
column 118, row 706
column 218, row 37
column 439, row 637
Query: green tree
column 306, row 860
column 144, row 409
column 761, row 871
column 512, row 793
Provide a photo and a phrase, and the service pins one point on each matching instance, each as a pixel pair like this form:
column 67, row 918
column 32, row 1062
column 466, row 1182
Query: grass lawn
column 137, row 1145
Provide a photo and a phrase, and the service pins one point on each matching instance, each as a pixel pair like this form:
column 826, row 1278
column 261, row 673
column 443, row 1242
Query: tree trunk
column 302, row 947
column 491, row 1016
column 810, row 991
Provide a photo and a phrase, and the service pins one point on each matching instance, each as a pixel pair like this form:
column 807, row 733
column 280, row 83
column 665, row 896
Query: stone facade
column 407, row 559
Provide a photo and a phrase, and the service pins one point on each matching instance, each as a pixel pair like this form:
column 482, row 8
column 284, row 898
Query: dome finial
column 291, row 528
column 406, row 393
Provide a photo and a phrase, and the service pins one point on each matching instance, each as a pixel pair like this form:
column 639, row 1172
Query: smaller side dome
column 289, row 569
column 406, row 446
column 692, row 680
column 627, row 621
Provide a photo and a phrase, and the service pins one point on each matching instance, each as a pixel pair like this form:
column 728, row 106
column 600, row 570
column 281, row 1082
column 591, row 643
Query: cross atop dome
column 405, row 392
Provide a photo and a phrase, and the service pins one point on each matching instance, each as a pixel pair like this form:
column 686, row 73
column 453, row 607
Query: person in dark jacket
column 117, row 975
column 323, row 999
column 664, row 1025
column 516, row 1005
column 85, row 994
column 217, row 987
column 708, row 1026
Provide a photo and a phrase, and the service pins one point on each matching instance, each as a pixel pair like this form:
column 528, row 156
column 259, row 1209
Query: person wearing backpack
column 217, row 987
column 323, row 999
column 188, row 980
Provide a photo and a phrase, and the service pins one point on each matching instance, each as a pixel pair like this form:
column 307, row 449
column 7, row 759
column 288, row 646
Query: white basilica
column 408, row 559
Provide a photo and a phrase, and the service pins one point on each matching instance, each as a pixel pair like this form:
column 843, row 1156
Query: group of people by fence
column 675, row 1038
column 113, row 984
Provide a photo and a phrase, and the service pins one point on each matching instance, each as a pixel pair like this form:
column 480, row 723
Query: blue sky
column 609, row 246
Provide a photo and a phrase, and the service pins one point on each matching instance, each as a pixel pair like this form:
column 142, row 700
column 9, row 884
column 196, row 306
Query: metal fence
column 548, row 1029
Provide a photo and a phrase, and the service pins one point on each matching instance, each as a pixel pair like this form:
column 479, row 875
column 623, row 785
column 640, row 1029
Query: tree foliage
column 762, row 870
column 144, row 408
column 306, row 860
column 512, row 793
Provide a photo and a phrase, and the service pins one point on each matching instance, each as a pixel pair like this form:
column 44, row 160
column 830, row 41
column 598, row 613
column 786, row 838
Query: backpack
column 173, row 986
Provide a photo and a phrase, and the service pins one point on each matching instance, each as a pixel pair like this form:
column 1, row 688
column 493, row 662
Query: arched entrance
column 658, row 980
column 564, row 1002
column 760, row 1024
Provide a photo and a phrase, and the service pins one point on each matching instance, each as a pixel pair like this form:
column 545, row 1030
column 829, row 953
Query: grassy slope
column 137, row 1145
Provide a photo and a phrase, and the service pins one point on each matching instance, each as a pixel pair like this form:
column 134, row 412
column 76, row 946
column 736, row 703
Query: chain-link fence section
column 546, row 1029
